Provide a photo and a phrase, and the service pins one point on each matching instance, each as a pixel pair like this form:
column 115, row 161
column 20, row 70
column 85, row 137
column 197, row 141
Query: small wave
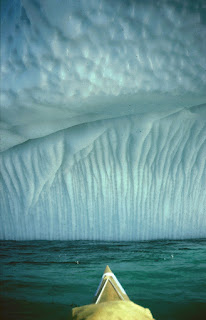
column 42, row 262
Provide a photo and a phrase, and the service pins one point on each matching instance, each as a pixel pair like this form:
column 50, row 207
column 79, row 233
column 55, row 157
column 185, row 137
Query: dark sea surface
column 39, row 279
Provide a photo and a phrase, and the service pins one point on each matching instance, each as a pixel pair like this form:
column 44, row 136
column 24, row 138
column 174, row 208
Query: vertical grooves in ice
column 129, row 180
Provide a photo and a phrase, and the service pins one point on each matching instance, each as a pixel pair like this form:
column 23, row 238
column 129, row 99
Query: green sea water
column 39, row 279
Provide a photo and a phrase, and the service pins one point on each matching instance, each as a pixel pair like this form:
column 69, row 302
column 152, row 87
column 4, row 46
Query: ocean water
column 39, row 279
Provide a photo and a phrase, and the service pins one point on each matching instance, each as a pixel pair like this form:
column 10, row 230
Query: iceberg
column 103, row 120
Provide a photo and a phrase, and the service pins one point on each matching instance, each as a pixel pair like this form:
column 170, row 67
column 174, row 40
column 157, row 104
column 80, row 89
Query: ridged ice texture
column 125, row 179
column 80, row 61
column 103, row 119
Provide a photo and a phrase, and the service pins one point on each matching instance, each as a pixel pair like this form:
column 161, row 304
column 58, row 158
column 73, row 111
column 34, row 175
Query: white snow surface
column 103, row 119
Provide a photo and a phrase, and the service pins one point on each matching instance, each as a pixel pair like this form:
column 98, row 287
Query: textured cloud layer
column 78, row 61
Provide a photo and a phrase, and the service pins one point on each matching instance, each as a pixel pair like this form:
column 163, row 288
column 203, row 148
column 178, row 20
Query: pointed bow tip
column 107, row 270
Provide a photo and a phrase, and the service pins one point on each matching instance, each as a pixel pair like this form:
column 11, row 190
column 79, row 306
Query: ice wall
column 103, row 120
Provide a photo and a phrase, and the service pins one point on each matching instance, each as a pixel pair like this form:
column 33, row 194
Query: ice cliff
column 103, row 119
